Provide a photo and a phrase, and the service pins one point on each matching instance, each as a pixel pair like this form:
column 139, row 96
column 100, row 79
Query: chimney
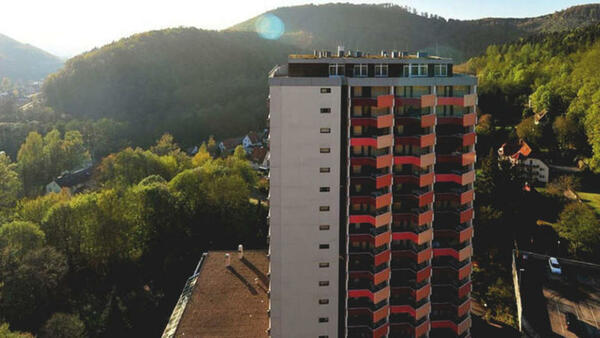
column 395, row 54
column 340, row 51
column 240, row 251
column 327, row 53
column 227, row 260
column 315, row 53
column 384, row 53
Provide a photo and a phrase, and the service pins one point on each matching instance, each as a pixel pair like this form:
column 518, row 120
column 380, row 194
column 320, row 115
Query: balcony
column 457, row 215
column 458, row 119
column 421, row 271
column 466, row 139
column 460, row 252
column 419, row 253
column 378, row 255
column 375, row 121
column 375, row 315
column 377, row 219
column 376, row 199
column 376, row 294
column 462, row 195
column 377, row 161
column 419, row 236
column 381, row 179
column 422, row 196
column 424, row 119
column 416, row 291
column 420, row 179
column 418, row 216
column 467, row 100
column 375, row 141
column 421, row 102
column 458, row 326
column 378, row 330
column 416, row 140
column 462, row 232
column 417, row 310
column 457, row 157
column 405, row 329
column 461, row 268
column 421, row 160
column 462, row 177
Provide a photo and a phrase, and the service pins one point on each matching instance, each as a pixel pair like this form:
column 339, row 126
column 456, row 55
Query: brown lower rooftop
column 224, row 301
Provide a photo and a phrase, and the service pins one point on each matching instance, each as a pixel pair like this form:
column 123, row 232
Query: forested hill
column 375, row 27
column 188, row 81
column 552, row 72
column 20, row 61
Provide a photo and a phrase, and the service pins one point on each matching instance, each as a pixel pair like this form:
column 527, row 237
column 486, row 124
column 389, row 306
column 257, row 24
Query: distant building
column 227, row 296
column 514, row 152
column 259, row 158
column 251, row 140
column 74, row 181
column 229, row 145
column 248, row 141
column 535, row 169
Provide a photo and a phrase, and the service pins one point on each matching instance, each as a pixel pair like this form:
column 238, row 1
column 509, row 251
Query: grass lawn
column 591, row 199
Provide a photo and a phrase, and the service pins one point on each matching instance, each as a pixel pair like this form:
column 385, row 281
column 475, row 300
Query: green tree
column 579, row 225
column 31, row 162
column 11, row 188
column 5, row 332
column 62, row 325
column 21, row 236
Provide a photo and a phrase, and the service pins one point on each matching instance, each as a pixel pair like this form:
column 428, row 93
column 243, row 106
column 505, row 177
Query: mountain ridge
column 24, row 62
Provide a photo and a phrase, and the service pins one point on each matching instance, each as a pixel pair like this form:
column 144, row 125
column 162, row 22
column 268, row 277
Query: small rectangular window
column 360, row 70
column 323, row 301
column 323, row 246
column 323, row 336
column 441, row 70
column 325, row 110
column 323, row 320
column 325, row 130
column 324, row 189
column 323, row 283
column 325, row 90
column 324, row 227
column 325, row 150
column 324, row 208
column 324, row 265
column 381, row 70
column 325, row 169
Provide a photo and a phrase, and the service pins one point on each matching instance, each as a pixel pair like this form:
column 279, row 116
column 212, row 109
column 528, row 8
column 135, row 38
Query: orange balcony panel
column 385, row 121
column 380, row 314
column 467, row 196
column 381, row 295
column 469, row 119
column 469, row 139
column 425, row 199
column 470, row 100
column 384, row 161
column 428, row 120
column 423, row 274
column 464, row 308
column 464, row 290
column 375, row 297
column 382, row 257
column 465, row 253
column 468, row 158
column 376, row 142
column 364, row 101
column 381, row 276
column 385, row 141
column 424, row 255
column 421, row 218
column 464, row 179
column 381, row 331
column 419, row 141
column 426, row 179
column 383, row 181
column 450, row 101
column 422, row 329
column 385, row 101
column 377, row 221
column 382, row 239
column 466, row 215
column 383, row 200
column 463, row 326
column 420, row 238
column 423, row 292
column 425, row 218
column 418, row 160
column 465, row 271
column 428, row 100
column 465, row 234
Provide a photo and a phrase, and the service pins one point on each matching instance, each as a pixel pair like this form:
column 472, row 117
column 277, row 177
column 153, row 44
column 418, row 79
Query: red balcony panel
column 445, row 252
column 382, row 239
column 364, row 101
column 383, row 219
column 365, row 121
column 425, row 199
column 385, row 101
column 408, row 101
column 468, row 177
column 465, row 234
column 465, row 290
column 375, row 297
column 426, row 179
column 385, row 121
column 470, row 100
column 363, row 141
column 382, row 257
column 384, row 161
column 463, row 326
column 450, row 101
column 423, row 292
column 425, row 218
column 377, row 221
column 381, row 331
column 383, row 200
column 421, row 161
column 420, row 180
column 428, row 120
column 466, row 215
column 469, row 139
column 416, row 313
column 467, row 196
column 361, row 238
column 423, row 274
column 381, row 276
column 464, row 308
column 427, row 140
column 465, row 271
column 428, row 100
column 383, row 181
column 464, row 179
column 360, row 294
column 443, row 324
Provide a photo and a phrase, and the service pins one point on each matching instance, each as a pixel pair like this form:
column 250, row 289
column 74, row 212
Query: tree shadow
column 243, row 280
column 259, row 273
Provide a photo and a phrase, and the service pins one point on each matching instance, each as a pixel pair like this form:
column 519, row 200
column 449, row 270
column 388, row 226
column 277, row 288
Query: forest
column 109, row 261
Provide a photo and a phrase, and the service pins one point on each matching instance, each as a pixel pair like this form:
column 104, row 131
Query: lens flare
column 269, row 26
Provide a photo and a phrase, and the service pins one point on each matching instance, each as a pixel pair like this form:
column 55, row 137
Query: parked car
column 555, row 268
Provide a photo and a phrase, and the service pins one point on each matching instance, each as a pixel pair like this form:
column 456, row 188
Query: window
column 323, row 320
column 361, row 70
column 415, row 70
column 324, row 265
column 324, row 189
column 323, row 301
column 325, row 90
column 323, row 336
column 323, row 283
column 325, row 150
column 325, row 130
column 325, row 169
column 324, row 227
column 323, row 246
column 324, row 208
column 381, row 70
column 440, row 70
column 325, row 110
column 336, row 70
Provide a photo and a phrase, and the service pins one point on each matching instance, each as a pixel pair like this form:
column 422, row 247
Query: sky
column 69, row 27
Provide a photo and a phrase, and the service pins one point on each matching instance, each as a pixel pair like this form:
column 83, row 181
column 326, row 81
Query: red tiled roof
column 229, row 302
column 253, row 136
column 232, row 142
column 258, row 155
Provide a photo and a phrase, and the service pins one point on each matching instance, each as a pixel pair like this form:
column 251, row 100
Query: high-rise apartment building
column 371, row 196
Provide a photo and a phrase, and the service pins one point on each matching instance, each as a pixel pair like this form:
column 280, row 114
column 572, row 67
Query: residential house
column 535, row 169
column 74, row 181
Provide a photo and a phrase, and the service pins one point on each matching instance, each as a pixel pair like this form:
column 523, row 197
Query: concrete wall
column 295, row 199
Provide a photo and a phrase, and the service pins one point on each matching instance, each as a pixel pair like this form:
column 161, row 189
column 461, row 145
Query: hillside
column 188, row 81
column 375, row 27
column 19, row 61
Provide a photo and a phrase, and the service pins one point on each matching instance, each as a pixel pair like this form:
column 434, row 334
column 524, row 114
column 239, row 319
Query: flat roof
column 547, row 297
column 376, row 59
column 228, row 301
